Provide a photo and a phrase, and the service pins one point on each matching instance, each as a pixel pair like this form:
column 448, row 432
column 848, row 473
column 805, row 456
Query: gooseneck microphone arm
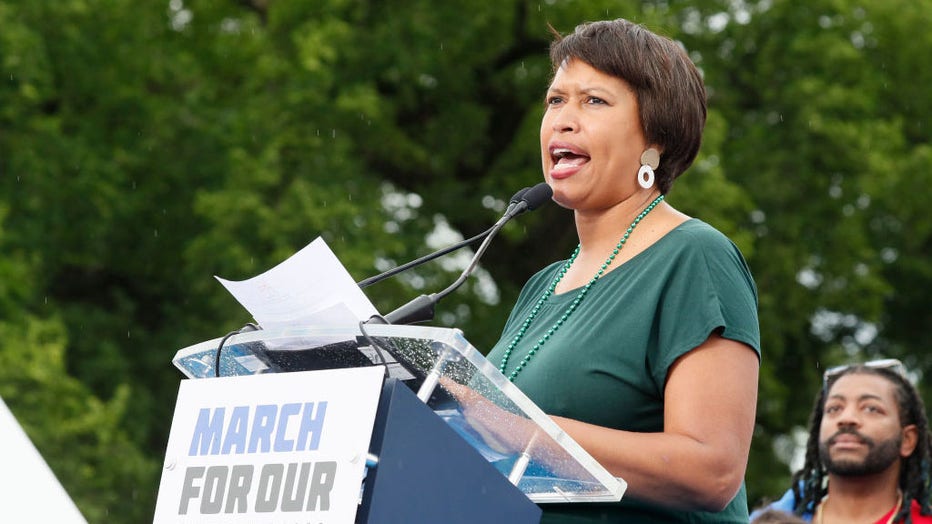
column 515, row 200
column 422, row 308
column 426, row 258
column 475, row 259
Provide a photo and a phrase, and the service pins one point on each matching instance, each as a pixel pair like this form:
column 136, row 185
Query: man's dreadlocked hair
column 809, row 485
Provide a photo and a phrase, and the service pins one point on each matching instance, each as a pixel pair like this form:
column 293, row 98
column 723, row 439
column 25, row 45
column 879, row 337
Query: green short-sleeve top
column 608, row 363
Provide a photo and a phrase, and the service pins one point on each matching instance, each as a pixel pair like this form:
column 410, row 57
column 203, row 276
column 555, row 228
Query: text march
column 271, row 447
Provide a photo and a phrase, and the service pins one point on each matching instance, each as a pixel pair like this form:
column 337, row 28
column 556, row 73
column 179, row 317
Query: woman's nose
column 566, row 120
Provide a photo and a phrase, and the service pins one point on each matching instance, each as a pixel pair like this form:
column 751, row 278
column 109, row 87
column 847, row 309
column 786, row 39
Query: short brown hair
column 670, row 93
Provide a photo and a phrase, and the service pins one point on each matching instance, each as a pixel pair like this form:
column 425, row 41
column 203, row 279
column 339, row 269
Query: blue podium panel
column 427, row 474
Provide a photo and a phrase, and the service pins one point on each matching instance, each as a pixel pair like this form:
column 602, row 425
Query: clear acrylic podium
column 449, row 376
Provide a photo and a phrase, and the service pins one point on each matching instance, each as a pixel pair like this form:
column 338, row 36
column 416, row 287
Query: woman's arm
column 699, row 460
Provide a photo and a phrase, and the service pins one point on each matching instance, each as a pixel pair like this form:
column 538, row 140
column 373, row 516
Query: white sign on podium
column 261, row 448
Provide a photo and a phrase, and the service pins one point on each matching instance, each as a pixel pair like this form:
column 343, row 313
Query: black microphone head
column 516, row 200
column 517, row 196
column 537, row 196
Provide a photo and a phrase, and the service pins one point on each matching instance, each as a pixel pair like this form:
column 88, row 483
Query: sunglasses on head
column 890, row 364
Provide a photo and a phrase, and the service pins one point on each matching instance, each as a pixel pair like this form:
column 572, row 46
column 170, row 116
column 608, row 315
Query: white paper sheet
column 310, row 287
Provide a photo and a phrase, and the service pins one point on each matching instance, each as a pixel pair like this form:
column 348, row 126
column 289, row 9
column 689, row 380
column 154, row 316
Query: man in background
column 869, row 438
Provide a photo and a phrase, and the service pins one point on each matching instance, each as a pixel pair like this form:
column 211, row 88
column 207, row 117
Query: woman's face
column 590, row 138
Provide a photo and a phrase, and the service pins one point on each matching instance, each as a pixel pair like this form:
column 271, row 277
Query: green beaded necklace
column 572, row 307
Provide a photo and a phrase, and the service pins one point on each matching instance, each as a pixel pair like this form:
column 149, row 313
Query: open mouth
column 565, row 158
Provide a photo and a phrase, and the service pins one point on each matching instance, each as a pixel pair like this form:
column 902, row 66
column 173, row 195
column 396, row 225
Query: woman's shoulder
column 696, row 248
column 696, row 238
column 543, row 276
column 698, row 232
column 548, row 270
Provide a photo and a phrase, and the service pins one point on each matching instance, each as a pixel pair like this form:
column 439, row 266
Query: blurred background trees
column 147, row 146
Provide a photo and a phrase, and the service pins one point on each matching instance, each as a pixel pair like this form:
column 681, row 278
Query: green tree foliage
column 84, row 439
column 825, row 133
column 147, row 146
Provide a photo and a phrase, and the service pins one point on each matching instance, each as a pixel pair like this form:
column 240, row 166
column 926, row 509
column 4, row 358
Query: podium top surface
column 450, row 376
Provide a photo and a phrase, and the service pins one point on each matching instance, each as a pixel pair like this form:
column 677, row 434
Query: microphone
column 520, row 202
column 515, row 200
column 422, row 308
column 528, row 199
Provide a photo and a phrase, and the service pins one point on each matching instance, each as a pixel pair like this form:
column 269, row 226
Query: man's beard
column 879, row 456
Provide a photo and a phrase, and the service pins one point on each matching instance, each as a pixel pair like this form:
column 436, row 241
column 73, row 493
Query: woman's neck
column 600, row 233
column 599, row 230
